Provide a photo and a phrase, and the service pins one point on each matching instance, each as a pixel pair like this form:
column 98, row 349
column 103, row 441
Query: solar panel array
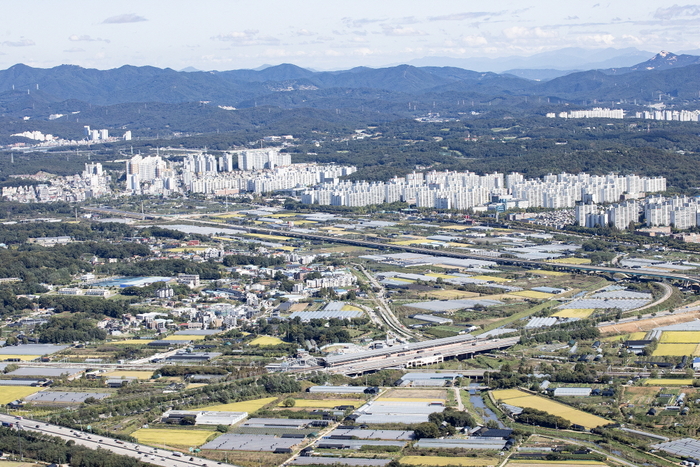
column 62, row 397
column 446, row 305
column 686, row 447
column 241, row 442
column 351, row 461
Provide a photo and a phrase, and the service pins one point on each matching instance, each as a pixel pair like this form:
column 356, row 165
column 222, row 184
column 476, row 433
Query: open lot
column 522, row 399
column 648, row 324
column 168, row 437
column 580, row 313
column 245, row 406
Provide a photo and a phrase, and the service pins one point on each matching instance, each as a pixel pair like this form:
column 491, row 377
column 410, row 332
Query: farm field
column 266, row 340
column 176, row 438
column 279, row 238
column 182, row 337
column 442, row 460
column 491, row 278
column 680, row 337
column 129, row 374
column 648, row 324
column 581, row 313
column 571, row 260
column 633, row 336
column 24, row 358
column 668, row 382
column 544, row 272
column 451, row 294
column 571, row 463
column 325, row 403
column 245, row 406
column 350, row 308
column 404, row 394
column 131, row 342
column 523, row 399
column 675, row 350
column 12, row 393
column 532, row 294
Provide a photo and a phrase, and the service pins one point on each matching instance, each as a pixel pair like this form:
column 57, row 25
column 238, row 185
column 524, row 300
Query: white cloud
column 20, row 43
column 247, row 37
column 520, row 32
column 596, row 39
column 84, row 38
column 474, row 41
column 401, row 31
column 677, row 11
column 465, row 15
column 126, row 18
column 304, row 32
column 74, row 50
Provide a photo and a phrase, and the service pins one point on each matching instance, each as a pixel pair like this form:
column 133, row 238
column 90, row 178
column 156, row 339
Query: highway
column 155, row 456
column 453, row 254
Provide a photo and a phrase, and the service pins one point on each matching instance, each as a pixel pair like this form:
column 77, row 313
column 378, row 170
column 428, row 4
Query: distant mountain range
column 401, row 90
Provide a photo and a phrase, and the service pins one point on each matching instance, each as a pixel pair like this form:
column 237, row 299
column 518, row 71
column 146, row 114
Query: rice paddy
column 668, row 382
column 571, row 260
column 543, row 272
column 184, row 337
column 264, row 341
column 580, row 313
column 325, row 403
column 451, row 294
column 278, row 238
column 245, row 406
column 491, row 278
column 676, row 350
column 680, row 337
column 176, row 438
column 350, row 308
column 131, row 342
column 522, row 399
column 144, row 375
column 24, row 358
column 12, row 393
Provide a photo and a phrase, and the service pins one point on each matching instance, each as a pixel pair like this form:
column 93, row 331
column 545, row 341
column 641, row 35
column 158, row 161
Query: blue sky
column 327, row 34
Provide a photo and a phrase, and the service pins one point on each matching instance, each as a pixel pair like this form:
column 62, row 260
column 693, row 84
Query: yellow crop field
column 581, row 313
column 543, row 272
column 264, row 341
column 532, row 294
column 279, row 238
column 668, row 382
column 675, row 350
column 523, row 399
column 12, row 393
column 455, row 227
column 129, row 374
column 182, row 249
column 131, row 342
column 442, row 460
column 417, row 241
column 24, row 358
column 325, row 403
column 176, row 438
column 230, row 214
column 571, row 260
column 183, row 337
column 287, row 214
column 680, row 337
column 350, row 308
column 452, row 294
column 444, row 276
column 245, row 406
column 491, row 278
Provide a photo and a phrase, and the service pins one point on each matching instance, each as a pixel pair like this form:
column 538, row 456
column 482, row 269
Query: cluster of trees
column 166, row 267
column 64, row 329
column 531, row 416
column 11, row 234
column 242, row 260
column 87, row 306
column 443, row 423
column 322, row 331
column 55, row 450
column 150, row 289
column 579, row 330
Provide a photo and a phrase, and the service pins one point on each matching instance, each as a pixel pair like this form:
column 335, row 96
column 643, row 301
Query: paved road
column 144, row 453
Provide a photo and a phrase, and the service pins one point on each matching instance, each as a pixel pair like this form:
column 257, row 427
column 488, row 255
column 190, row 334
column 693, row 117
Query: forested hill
column 291, row 86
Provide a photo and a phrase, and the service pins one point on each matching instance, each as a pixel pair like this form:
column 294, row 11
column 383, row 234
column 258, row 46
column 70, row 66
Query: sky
column 327, row 34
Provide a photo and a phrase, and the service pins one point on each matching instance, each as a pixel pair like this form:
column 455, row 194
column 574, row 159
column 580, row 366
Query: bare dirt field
column 648, row 324
column 436, row 394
